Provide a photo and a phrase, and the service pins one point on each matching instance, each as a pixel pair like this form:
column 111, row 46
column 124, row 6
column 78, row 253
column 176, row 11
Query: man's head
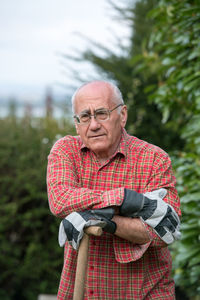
column 100, row 133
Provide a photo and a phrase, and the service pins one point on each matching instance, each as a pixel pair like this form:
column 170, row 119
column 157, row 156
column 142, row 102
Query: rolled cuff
column 156, row 241
column 126, row 251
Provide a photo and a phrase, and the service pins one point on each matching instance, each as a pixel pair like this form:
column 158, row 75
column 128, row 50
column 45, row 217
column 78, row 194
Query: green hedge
column 30, row 260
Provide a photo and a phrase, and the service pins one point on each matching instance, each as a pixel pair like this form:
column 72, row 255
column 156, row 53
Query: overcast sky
column 33, row 32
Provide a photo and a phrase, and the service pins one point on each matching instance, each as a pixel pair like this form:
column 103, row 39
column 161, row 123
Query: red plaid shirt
column 117, row 269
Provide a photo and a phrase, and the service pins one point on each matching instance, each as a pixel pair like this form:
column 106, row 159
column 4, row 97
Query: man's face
column 100, row 137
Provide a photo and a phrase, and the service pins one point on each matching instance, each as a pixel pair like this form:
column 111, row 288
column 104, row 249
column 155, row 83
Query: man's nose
column 94, row 124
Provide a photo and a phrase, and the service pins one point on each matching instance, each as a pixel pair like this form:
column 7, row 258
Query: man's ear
column 123, row 116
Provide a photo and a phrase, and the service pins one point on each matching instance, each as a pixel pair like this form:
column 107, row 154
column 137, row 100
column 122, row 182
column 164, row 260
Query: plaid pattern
column 117, row 269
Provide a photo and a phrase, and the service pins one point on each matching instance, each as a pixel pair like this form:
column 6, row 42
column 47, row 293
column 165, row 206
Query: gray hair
column 116, row 93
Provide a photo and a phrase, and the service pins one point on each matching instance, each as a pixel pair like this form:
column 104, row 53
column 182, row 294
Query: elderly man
column 104, row 167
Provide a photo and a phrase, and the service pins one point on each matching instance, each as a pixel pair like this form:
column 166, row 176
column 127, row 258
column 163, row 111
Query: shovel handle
column 93, row 230
column 82, row 260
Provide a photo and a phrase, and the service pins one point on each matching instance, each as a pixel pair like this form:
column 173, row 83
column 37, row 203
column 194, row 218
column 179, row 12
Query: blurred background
column 151, row 50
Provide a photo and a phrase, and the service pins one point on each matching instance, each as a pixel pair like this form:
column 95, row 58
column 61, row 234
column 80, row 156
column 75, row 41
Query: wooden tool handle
column 94, row 230
column 82, row 260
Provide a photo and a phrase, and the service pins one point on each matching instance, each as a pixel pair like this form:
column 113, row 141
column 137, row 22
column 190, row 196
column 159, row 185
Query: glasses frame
column 77, row 117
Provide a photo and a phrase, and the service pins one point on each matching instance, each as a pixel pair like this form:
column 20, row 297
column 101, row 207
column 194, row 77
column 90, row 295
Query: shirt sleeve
column 65, row 193
column 161, row 177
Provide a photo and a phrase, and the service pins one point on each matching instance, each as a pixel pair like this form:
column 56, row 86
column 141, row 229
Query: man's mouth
column 96, row 136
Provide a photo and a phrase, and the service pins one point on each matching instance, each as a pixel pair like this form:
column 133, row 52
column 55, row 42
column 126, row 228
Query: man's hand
column 155, row 212
column 71, row 228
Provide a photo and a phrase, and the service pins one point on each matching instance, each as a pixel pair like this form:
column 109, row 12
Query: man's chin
column 97, row 141
column 98, row 147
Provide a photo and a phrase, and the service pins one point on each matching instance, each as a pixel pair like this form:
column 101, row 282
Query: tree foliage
column 174, row 48
column 30, row 259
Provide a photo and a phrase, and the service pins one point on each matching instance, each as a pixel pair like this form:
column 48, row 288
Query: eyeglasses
column 100, row 115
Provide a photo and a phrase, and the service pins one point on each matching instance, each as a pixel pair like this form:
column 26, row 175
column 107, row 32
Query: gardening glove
column 155, row 212
column 72, row 227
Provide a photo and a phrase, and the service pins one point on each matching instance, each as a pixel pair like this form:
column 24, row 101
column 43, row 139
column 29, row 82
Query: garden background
column 159, row 76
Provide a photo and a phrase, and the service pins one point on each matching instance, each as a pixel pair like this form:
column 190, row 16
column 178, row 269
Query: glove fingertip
column 61, row 235
column 177, row 235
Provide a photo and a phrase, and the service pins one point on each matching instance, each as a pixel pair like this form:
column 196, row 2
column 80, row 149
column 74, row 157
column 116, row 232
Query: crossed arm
column 131, row 229
column 66, row 196
column 134, row 230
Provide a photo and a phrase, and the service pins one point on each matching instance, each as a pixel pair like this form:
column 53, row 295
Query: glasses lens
column 84, row 118
column 102, row 115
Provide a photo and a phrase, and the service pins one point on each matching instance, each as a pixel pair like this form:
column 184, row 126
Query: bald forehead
column 94, row 91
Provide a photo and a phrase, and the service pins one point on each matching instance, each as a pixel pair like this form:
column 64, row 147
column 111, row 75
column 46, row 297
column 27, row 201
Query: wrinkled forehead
column 95, row 95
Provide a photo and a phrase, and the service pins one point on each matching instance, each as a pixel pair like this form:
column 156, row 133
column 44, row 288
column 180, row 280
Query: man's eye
column 84, row 117
column 102, row 114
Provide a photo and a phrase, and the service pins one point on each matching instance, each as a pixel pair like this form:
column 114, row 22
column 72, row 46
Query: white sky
column 33, row 32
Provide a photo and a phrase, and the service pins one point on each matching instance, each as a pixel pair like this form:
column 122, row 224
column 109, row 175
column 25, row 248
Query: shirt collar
column 122, row 148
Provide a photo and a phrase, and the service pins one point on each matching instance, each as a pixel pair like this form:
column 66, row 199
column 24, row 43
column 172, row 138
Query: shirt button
column 91, row 268
column 93, row 243
column 91, row 292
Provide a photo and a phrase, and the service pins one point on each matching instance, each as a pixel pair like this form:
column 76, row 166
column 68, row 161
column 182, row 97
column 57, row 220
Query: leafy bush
column 174, row 49
column 30, row 259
